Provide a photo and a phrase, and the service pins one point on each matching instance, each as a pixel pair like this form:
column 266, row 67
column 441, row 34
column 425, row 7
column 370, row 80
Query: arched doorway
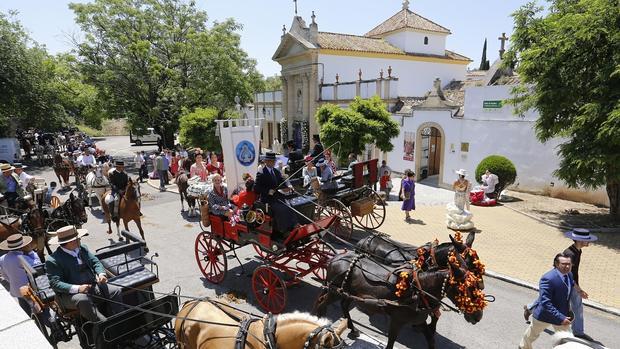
column 430, row 153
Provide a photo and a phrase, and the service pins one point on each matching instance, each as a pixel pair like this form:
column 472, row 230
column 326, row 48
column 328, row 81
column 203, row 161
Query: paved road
column 172, row 235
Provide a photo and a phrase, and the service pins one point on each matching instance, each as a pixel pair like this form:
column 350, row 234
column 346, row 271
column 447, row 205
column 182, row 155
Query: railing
column 343, row 91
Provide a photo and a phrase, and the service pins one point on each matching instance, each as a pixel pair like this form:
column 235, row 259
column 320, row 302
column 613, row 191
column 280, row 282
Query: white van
column 149, row 137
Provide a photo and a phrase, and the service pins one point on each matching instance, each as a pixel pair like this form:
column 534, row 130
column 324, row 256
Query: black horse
column 405, row 293
column 71, row 212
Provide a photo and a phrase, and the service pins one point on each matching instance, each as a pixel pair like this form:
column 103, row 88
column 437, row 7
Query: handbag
column 389, row 185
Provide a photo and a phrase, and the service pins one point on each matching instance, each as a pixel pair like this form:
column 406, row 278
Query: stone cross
column 295, row 1
column 503, row 39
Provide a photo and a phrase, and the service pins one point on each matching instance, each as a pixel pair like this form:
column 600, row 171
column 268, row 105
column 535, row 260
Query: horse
column 62, row 169
column 70, row 212
column 391, row 252
column 222, row 326
column 566, row 340
column 96, row 183
column 182, row 185
column 405, row 293
column 128, row 208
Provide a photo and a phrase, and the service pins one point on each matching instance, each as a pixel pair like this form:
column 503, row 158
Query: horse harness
column 269, row 329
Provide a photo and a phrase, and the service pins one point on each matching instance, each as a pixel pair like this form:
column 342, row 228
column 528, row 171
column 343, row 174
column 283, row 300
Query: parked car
column 139, row 137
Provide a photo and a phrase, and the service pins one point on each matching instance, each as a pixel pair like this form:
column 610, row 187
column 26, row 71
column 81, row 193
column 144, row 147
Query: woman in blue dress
column 408, row 194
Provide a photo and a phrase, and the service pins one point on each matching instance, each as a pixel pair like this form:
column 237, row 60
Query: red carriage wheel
column 321, row 254
column 374, row 219
column 333, row 207
column 211, row 257
column 269, row 290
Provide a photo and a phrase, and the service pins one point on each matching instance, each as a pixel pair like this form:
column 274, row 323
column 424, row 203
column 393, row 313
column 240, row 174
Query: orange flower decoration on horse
column 402, row 285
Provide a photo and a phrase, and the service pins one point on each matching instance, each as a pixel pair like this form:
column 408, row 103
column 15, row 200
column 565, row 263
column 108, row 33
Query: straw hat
column 67, row 234
column 461, row 172
column 15, row 242
column 6, row 167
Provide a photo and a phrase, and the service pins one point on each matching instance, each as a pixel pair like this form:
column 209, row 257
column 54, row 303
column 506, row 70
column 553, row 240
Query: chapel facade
column 399, row 58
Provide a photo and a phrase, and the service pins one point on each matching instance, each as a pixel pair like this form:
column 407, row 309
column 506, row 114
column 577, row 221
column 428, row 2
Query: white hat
column 461, row 172
column 67, row 234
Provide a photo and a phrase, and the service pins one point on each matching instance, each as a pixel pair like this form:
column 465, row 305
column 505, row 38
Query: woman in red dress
column 215, row 166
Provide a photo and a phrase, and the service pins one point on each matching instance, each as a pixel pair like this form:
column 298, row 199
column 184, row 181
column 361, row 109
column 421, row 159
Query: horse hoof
column 120, row 238
column 354, row 334
column 146, row 249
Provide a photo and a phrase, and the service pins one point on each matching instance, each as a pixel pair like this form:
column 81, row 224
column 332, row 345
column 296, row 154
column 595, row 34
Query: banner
column 408, row 146
column 240, row 139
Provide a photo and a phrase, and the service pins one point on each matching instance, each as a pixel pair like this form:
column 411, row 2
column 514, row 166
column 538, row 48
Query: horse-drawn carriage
column 352, row 197
column 145, row 322
column 293, row 254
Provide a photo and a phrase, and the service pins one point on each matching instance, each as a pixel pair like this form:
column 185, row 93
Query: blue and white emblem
column 245, row 153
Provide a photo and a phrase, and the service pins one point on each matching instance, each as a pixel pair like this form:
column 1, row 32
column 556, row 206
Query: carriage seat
column 37, row 278
column 121, row 258
column 135, row 278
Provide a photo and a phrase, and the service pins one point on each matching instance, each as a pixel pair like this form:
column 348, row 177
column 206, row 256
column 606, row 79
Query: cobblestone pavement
column 508, row 242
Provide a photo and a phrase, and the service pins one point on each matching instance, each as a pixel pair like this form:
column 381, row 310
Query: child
column 385, row 184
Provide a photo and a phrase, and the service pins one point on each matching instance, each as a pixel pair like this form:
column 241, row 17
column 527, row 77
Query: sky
column 51, row 22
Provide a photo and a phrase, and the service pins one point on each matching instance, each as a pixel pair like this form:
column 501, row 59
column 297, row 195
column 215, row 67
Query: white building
column 399, row 57
column 444, row 126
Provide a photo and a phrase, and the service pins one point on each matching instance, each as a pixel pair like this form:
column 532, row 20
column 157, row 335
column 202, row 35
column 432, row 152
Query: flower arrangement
column 420, row 260
column 402, row 285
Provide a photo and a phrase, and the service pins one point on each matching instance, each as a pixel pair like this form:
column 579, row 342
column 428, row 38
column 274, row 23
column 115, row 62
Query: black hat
column 316, row 138
column 119, row 163
column 270, row 156
column 290, row 143
column 19, row 165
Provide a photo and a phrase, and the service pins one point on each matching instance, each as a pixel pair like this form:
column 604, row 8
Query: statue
column 458, row 216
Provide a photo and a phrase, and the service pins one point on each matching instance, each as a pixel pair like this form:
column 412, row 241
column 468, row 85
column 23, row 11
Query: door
column 434, row 153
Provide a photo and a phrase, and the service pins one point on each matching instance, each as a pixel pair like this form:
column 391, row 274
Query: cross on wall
column 503, row 40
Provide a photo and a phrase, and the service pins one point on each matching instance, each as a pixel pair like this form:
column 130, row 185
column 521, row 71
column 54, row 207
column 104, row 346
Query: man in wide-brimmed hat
column 10, row 185
column 17, row 245
column 268, row 181
column 581, row 238
column 118, row 181
column 23, row 176
column 77, row 276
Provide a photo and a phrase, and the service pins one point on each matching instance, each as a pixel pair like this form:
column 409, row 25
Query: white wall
column 415, row 77
column 489, row 132
column 410, row 41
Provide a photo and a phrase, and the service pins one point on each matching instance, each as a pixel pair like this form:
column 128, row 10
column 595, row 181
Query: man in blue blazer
column 267, row 184
column 553, row 302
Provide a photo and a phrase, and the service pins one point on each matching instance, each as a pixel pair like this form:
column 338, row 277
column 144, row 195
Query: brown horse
column 182, row 185
column 62, row 168
column 220, row 325
column 128, row 210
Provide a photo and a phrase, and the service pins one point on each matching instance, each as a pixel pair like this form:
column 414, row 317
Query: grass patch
column 90, row 131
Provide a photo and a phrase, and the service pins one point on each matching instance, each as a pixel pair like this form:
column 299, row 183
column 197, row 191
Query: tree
column 150, row 59
column 484, row 62
column 273, row 83
column 366, row 121
column 27, row 94
column 568, row 61
column 197, row 129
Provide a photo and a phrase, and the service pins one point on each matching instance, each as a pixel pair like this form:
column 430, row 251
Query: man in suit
column 295, row 158
column 78, row 277
column 268, row 181
column 317, row 150
column 553, row 306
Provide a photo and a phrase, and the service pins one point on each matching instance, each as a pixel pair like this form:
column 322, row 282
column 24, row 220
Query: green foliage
column 272, row 83
column 500, row 166
column 366, row 121
column 569, row 63
column 151, row 59
column 90, row 131
column 197, row 129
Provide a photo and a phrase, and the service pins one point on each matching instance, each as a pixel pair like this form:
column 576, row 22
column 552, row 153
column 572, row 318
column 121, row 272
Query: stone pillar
column 378, row 88
column 386, row 88
column 313, row 86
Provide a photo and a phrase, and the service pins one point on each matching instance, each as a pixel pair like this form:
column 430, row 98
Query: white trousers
column 535, row 329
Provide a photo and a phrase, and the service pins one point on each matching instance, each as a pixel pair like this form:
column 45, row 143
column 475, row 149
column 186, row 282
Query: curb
column 558, row 226
column 518, row 282
column 170, row 188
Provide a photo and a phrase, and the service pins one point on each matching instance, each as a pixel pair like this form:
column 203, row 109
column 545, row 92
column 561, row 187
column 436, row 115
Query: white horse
column 566, row 340
column 96, row 183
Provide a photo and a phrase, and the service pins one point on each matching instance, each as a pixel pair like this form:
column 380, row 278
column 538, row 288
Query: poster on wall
column 408, row 146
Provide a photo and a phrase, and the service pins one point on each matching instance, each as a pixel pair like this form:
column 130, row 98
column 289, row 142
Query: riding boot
column 113, row 214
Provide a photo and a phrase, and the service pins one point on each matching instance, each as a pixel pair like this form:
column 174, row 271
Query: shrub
column 198, row 128
column 502, row 167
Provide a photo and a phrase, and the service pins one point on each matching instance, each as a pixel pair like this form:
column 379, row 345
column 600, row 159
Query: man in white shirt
column 88, row 159
column 489, row 181
column 17, row 245
column 23, row 176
